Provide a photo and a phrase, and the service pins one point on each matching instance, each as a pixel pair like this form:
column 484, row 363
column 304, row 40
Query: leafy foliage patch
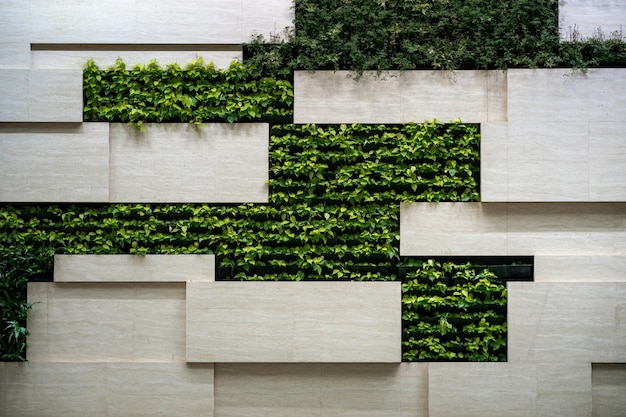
column 381, row 35
column 197, row 93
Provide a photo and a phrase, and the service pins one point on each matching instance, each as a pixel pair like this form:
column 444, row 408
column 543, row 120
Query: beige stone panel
column 585, row 18
column 14, row 97
column 266, row 18
column 537, row 96
column 134, row 268
column 215, row 163
column 609, row 386
column 106, row 389
column 53, row 389
column 55, row 96
column 293, row 322
column 146, row 21
column 399, row 97
column 565, row 322
column 54, row 163
column 325, row 390
column 563, row 390
column 581, row 268
column 72, row 59
column 529, row 162
column 13, row 55
column 607, row 161
column 515, row 229
column 482, row 389
column 159, row 390
column 14, row 31
column 115, row 322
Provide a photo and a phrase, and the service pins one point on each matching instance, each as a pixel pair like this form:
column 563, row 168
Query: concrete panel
column 146, row 21
column 54, row 163
column 92, row 322
column 324, row 390
column 512, row 229
column 609, row 386
column 106, row 389
column 587, row 17
column 215, row 163
column 68, row 59
column 399, row 97
column 580, row 268
column 566, row 322
column 565, row 95
column 293, row 322
column 41, row 96
column 525, row 161
column 133, row 268
column 482, row 389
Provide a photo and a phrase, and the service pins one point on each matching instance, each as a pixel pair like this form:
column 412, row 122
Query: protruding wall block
column 215, row 163
column 293, row 322
column 609, row 386
column 399, row 97
column 32, row 95
column 566, row 322
column 106, row 322
column 106, row 389
column 54, row 163
column 553, row 268
column 512, row 229
column 134, row 268
column 348, row 390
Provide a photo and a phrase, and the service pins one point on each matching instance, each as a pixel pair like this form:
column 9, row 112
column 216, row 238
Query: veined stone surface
column 586, row 18
column 293, row 322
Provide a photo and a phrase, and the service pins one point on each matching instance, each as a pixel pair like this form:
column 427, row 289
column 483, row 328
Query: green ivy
column 381, row 35
column 453, row 312
column 197, row 93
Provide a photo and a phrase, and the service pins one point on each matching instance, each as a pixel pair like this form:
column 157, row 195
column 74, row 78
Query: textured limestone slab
column 14, row 55
column 504, row 389
column 133, row 268
column 215, row 163
column 609, row 386
column 325, row 390
column 586, row 17
column 560, row 322
column 565, row 95
column 146, row 21
column 106, row 322
column 526, row 161
column 293, row 322
column 512, row 229
column 580, row 268
column 54, row 163
column 106, row 389
column 399, row 97
column 41, row 95
column 64, row 59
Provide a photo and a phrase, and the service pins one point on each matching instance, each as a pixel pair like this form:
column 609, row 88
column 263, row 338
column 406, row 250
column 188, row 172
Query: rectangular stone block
column 609, row 385
column 41, row 96
column 399, row 97
column 580, row 268
column 328, row 390
column 566, row 95
column 579, row 19
column 526, row 161
column 76, row 58
column 134, row 268
column 106, row 389
column 144, row 21
column 293, row 322
column 214, row 163
column 106, row 322
column 566, row 322
column 54, row 163
column 482, row 389
column 512, row 229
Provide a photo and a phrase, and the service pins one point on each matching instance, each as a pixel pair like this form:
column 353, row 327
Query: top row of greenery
column 382, row 35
